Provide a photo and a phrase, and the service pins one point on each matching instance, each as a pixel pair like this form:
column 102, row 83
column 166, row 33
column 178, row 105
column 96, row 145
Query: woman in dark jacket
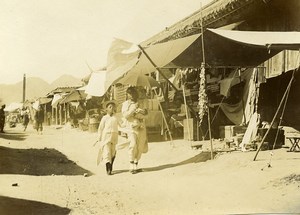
column 39, row 119
column 2, row 118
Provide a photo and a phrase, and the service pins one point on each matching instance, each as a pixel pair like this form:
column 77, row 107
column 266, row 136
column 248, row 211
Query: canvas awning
column 44, row 100
column 75, row 95
column 237, row 48
column 161, row 54
column 271, row 40
column 56, row 99
column 95, row 87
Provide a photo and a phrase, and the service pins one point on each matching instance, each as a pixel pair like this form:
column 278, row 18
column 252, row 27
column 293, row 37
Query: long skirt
column 138, row 144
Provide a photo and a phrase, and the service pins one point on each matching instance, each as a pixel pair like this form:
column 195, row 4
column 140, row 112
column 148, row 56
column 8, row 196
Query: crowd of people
column 24, row 117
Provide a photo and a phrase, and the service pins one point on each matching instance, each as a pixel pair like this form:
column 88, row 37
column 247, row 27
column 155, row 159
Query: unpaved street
column 56, row 173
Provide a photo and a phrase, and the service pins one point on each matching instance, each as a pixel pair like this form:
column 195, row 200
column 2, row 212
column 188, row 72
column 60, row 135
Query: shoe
column 135, row 168
column 108, row 168
column 112, row 162
column 131, row 167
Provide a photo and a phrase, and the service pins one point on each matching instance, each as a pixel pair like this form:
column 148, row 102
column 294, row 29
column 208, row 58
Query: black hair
column 133, row 92
column 110, row 102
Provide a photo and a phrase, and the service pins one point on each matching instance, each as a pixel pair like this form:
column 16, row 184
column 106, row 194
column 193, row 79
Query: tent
column 230, row 48
column 120, row 61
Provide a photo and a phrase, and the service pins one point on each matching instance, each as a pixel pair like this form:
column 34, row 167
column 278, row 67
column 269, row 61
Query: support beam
column 163, row 75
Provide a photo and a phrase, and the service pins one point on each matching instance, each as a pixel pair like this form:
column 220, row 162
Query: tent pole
column 203, row 63
column 160, row 72
column 165, row 120
column 243, row 103
column 273, row 120
column 209, row 128
column 186, row 111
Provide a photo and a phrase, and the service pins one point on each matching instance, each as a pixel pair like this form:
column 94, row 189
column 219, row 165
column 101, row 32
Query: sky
column 46, row 39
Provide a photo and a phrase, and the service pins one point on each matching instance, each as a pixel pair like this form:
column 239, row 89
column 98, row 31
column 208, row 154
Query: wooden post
column 203, row 63
column 277, row 111
column 186, row 111
column 52, row 115
column 56, row 115
column 163, row 75
column 65, row 110
column 209, row 128
column 24, row 88
column 243, row 103
column 165, row 120
column 60, row 114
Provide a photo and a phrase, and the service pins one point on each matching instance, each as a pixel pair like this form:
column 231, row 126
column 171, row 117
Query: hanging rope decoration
column 202, row 94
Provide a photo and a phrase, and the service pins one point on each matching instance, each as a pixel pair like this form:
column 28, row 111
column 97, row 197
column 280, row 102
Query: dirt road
column 56, row 173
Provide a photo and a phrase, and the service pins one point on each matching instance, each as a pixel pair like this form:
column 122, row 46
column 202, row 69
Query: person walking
column 135, row 128
column 39, row 119
column 108, row 137
column 25, row 114
column 2, row 118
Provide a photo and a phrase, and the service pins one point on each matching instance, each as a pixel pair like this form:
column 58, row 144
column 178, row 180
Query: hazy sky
column 49, row 38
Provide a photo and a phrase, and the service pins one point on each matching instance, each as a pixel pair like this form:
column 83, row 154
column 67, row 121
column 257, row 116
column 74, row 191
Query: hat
column 106, row 103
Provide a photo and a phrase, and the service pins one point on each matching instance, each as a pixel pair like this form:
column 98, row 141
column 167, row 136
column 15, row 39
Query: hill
column 35, row 88
column 65, row 81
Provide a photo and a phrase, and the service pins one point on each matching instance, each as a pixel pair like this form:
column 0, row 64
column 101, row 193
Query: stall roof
column 237, row 48
column 75, row 95
column 161, row 54
column 271, row 40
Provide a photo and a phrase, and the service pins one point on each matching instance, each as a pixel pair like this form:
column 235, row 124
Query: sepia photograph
column 148, row 107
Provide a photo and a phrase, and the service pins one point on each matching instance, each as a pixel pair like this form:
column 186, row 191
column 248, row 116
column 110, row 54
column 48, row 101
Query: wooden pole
column 203, row 62
column 186, row 111
column 165, row 120
column 163, row 75
column 24, row 88
column 273, row 120
column 243, row 103
column 209, row 128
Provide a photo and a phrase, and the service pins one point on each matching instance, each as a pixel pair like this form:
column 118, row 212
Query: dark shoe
column 108, row 168
column 134, row 171
column 131, row 167
column 112, row 163
column 135, row 168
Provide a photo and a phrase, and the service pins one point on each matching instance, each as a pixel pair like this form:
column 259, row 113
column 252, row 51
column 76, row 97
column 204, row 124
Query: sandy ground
column 56, row 173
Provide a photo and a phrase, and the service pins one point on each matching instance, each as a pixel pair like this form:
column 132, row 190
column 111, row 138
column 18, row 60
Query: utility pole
column 24, row 87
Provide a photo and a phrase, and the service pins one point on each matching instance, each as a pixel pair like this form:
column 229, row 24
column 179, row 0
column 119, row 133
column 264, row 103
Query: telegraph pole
column 24, row 87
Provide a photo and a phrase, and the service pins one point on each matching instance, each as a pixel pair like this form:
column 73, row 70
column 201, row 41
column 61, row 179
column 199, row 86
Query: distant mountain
column 35, row 88
column 66, row 81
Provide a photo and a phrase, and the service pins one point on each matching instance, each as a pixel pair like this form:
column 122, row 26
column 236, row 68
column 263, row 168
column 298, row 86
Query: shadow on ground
column 12, row 206
column 13, row 136
column 37, row 162
column 202, row 157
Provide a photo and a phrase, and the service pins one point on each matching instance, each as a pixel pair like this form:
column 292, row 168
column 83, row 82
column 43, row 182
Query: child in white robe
column 108, row 137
